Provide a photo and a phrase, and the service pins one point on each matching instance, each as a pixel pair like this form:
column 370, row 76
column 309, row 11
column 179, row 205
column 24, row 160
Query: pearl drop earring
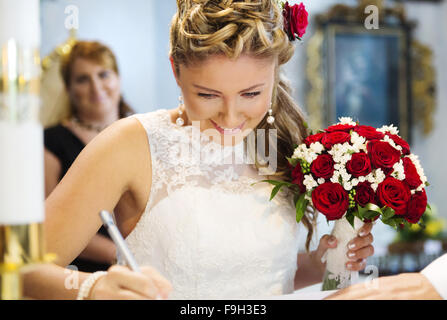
column 180, row 122
column 270, row 118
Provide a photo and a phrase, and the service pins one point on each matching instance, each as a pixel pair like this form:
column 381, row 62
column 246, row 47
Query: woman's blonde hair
column 202, row 28
column 98, row 53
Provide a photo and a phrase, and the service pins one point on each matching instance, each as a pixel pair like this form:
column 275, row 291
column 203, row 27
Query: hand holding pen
column 123, row 283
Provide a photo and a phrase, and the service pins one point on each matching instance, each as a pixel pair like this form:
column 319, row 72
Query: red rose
column 412, row 177
column 395, row 194
column 364, row 194
column 331, row 200
column 400, row 142
column 369, row 133
column 383, row 155
column 298, row 178
column 340, row 127
column 313, row 138
column 331, row 138
column 359, row 165
column 323, row 166
column 416, row 207
column 295, row 20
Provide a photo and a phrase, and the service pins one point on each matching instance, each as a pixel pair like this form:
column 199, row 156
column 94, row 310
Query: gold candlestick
column 21, row 246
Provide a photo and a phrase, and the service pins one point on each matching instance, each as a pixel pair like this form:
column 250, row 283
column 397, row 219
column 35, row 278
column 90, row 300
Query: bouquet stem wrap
column 336, row 275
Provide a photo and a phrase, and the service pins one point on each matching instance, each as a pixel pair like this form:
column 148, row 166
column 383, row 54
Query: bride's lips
column 228, row 131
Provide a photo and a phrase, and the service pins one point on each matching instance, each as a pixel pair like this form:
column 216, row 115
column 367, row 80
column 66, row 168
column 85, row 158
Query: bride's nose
column 229, row 115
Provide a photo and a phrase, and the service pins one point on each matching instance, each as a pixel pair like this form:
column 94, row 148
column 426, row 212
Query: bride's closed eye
column 207, row 95
column 246, row 95
column 252, row 94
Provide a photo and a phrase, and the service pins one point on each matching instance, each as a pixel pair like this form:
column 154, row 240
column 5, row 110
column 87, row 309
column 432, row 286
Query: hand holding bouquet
column 355, row 174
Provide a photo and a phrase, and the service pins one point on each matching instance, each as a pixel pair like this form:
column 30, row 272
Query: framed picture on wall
column 367, row 75
column 376, row 76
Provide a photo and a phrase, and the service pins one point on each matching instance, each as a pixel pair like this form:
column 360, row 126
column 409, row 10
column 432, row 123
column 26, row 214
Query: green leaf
column 350, row 217
column 428, row 210
column 293, row 161
column 391, row 223
column 373, row 207
column 399, row 220
column 396, row 221
column 370, row 211
column 275, row 191
column 329, row 284
column 276, row 183
column 388, row 213
column 370, row 215
column 301, row 206
column 360, row 212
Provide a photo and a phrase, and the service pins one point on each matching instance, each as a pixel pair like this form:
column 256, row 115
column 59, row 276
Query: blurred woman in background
column 91, row 77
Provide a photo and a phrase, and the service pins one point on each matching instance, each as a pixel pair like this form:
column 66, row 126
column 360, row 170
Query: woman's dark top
column 66, row 146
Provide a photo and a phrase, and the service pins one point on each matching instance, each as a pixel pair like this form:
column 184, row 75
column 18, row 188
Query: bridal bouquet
column 354, row 174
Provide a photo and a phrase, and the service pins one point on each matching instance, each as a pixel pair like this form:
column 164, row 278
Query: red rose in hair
column 412, row 177
column 369, row 133
column 416, row 207
column 331, row 200
column 383, row 155
column 340, row 127
column 395, row 194
column 364, row 194
column 400, row 142
column 359, row 165
column 295, row 20
column 331, row 138
column 298, row 178
column 313, row 138
column 323, row 166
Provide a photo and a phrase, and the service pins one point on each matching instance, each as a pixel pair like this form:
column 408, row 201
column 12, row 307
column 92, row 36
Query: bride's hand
column 120, row 283
column 359, row 248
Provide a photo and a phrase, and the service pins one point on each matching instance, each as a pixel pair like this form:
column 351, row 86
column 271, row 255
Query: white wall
column 432, row 149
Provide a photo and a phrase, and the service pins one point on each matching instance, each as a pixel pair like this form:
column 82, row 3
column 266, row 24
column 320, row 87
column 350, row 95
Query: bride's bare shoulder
column 127, row 139
column 122, row 149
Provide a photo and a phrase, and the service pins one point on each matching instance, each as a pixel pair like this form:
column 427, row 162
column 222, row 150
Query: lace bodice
column 206, row 227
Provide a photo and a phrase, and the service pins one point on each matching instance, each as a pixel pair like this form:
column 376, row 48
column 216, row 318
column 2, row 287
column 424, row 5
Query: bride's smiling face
column 228, row 96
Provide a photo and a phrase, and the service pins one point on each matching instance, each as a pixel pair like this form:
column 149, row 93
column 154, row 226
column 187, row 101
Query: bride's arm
column 108, row 167
column 310, row 267
column 309, row 270
column 103, row 172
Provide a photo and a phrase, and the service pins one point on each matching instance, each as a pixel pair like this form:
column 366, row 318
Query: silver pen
column 118, row 239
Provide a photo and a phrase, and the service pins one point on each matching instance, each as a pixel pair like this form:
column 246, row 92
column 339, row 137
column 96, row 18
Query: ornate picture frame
column 374, row 76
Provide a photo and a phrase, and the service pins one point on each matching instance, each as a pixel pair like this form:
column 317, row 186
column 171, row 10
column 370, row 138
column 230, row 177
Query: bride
column 182, row 182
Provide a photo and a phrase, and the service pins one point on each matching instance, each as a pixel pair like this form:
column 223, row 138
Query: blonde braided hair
column 202, row 28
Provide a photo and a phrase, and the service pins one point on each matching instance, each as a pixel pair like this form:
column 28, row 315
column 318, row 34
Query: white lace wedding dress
column 206, row 228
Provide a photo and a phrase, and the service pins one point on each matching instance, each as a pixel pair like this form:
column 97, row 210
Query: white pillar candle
column 20, row 20
column 21, row 173
column 21, row 141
